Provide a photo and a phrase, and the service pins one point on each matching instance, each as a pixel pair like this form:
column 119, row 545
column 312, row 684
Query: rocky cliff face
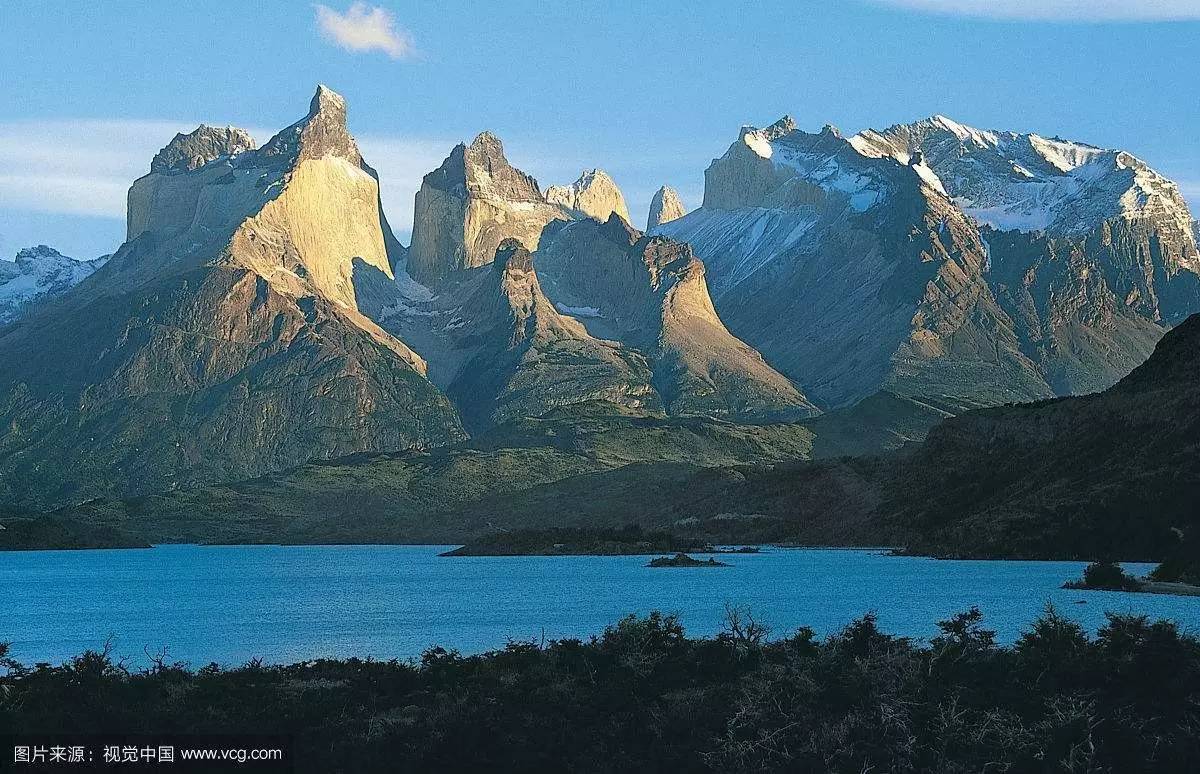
column 528, row 358
column 469, row 205
column 200, row 146
column 665, row 206
column 882, row 244
column 223, row 339
column 593, row 195
column 650, row 293
column 37, row 275
column 1114, row 215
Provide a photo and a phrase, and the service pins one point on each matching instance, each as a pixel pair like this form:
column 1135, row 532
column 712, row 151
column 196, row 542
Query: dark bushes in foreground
column 645, row 697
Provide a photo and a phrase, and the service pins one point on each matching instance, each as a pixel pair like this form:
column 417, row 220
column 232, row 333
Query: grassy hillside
column 448, row 495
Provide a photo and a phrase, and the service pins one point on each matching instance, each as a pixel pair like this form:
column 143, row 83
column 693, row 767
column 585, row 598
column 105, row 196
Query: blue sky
column 650, row 92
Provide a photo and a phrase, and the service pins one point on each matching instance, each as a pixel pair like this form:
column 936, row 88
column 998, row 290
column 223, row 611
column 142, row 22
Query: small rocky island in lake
column 683, row 560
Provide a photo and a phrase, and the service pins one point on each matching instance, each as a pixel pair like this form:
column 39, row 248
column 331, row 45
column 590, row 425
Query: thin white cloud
column 364, row 28
column 77, row 167
column 1059, row 10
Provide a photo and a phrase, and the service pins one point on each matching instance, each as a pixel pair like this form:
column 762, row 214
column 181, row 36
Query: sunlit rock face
column 594, row 195
column 665, row 206
column 469, row 205
column 223, row 339
column 935, row 260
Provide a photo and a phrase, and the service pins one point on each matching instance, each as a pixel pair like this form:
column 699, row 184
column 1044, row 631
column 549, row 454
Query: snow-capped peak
column 758, row 143
column 1028, row 182
column 38, row 274
column 964, row 132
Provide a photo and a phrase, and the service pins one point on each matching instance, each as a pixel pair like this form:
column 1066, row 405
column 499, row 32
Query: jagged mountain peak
column 524, row 357
column 484, row 169
column 669, row 262
column 1028, row 182
column 223, row 339
column 323, row 132
column 593, row 195
column 785, row 125
column 650, row 293
column 618, row 229
column 665, row 206
column 487, row 144
column 327, row 101
column 469, row 205
column 38, row 274
column 302, row 211
column 785, row 167
column 1058, row 261
column 200, row 146
column 27, row 255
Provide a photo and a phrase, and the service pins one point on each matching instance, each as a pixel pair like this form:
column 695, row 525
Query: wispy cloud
column 1059, row 10
column 77, row 167
column 364, row 28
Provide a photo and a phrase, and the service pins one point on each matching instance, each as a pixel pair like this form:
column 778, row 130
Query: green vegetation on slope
column 449, row 495
column 1115, row 474
column 630, row 540
column 30, row 532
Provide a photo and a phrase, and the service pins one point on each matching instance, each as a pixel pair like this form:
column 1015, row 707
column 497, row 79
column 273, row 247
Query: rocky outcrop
column 223, row 339
column 200, row 146
column 304, row 209
column 745, row 175
column 37, row 275
column 650, row 293
column 593, row 195
column 468, row 206
column 882, row 243
column 529, row 359
column 665, row 206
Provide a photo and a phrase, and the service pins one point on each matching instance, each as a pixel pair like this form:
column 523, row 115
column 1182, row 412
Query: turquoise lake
column 292, row 603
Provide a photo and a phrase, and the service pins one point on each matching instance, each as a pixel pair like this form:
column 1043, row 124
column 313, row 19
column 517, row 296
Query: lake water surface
column 291, row 603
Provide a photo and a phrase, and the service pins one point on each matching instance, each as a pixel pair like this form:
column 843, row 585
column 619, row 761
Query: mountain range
column 830, row 296
column 936, row 260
